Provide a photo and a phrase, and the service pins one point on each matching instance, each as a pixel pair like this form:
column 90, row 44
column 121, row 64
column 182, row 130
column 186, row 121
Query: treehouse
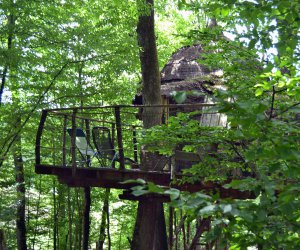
column 184, row 73
column 186, row 76
column 101, row 147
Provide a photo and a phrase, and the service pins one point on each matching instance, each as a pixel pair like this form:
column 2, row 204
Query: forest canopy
column 57, row 54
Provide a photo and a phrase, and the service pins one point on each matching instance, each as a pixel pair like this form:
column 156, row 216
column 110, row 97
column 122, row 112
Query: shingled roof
column 183, row 72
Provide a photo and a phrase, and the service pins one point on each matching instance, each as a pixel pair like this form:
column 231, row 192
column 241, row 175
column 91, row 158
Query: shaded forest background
column 57, row 54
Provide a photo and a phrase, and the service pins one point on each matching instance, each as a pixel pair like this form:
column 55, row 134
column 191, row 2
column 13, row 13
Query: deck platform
column 113, row 178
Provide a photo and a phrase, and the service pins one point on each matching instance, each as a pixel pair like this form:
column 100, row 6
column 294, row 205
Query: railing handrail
column 135, row 106
column 115, row 119
column 38, row 137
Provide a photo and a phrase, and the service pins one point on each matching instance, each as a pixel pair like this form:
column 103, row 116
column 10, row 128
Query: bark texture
column 150, row 228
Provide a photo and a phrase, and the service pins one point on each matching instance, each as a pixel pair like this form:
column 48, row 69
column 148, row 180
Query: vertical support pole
column 73, row 142
column 135, row 150
column 64, row 150
column 119, row 136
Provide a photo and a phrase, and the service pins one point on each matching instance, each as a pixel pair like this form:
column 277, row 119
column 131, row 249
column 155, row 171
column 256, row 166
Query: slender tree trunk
column 2, row 240
column 203, row 226
column 104, row 220
column 108, row 221
column 37, row 214
column 70, row 217
column 20, row 181
column 79, row 222
column 55, row 226
column 171, row 213
column 150, row 228
column 11, row 26
column 86, row 218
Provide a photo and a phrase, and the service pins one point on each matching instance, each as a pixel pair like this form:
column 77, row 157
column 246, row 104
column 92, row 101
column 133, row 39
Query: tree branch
column 11, row 23
column 13, row 138
column 272, row 103
column 287, row 109
column 204, row 226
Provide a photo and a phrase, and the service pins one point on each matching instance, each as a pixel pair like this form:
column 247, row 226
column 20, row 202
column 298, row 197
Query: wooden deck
column 113, row 178
column 57, row 152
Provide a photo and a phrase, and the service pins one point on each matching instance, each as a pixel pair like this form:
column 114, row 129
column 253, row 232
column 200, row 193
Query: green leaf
column 208, row 209
column 227, row 208
column 180, row 96
column 224, row 12
column 259, row 92
column 252, row 43
column 137, row 181
column 140, row 192
column 174, row 193
column 153, row 188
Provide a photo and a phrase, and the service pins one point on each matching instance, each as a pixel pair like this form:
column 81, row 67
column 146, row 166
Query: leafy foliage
column 70, row 53
column 261, row 103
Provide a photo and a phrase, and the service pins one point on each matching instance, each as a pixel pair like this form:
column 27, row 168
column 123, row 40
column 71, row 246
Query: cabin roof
column 184, row 72
column 183, row 65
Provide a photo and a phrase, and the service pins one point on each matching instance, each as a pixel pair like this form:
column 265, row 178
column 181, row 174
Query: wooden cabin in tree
column 184, row 73
column 100, row 146
column 186, row 76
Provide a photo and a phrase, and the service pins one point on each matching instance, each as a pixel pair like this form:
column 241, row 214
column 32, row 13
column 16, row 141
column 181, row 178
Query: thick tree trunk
column 20, row 214
column 150, row 228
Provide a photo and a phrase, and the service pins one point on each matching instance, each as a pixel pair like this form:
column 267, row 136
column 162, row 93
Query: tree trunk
column 70, row 218
column 11, row 26
column 150, row 228
column 37, row 215
column 86, row 218
column 19, row 172
column 203, row 226
column 2, row 240
column 104, row 220
column 55, row 225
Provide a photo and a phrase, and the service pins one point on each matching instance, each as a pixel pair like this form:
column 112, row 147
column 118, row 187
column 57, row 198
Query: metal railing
column 54, row 147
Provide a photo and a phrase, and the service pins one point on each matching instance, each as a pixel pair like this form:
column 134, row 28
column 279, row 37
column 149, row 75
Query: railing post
column 88, row 139
column 73, row 143
column 113, row 136
column 134, row 141
column 119, row 136
column 38, row 138
column 64, row 141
